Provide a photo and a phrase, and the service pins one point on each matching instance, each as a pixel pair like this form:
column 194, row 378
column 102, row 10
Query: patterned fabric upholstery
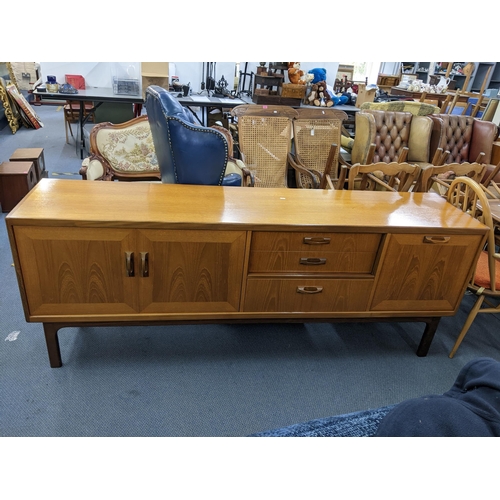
column 128, row 149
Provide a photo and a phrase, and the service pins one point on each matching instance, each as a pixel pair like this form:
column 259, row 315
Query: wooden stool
column 36, row 156
column 16, row 180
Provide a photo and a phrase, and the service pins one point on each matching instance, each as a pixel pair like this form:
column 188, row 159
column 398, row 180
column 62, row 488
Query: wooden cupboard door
column 424, row 273
column 76, row 271
column 195, row 271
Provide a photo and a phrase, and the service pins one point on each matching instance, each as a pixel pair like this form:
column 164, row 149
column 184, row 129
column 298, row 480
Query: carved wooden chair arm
column 298, row 166
column 345, row 166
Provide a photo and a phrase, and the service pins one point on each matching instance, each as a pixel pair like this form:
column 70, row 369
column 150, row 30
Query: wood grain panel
column 74, row 271
column 320, row 295
column 192, row 271
column 285, row 241
column 418, row 274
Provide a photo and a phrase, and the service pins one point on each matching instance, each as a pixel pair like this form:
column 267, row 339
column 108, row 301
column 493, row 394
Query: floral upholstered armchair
column 122, row 152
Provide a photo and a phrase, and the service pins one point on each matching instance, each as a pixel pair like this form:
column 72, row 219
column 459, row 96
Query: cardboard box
column 364, row 94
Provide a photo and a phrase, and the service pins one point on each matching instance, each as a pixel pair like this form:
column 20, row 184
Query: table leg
column 52, row 341
column 80, row 120
column 426, row 340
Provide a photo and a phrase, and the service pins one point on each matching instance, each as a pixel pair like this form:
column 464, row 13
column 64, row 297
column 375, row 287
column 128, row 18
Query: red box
column 76, row 80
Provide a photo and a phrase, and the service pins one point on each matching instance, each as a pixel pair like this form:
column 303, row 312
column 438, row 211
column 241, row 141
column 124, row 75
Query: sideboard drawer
column 313, row 252
column 307, row 295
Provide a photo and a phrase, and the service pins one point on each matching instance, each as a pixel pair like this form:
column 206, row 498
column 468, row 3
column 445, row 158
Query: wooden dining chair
column 439, row 178
column 468, row 196
column 378, row 176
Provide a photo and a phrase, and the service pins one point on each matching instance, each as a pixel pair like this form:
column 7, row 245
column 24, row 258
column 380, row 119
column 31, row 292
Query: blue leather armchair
column 187, row 153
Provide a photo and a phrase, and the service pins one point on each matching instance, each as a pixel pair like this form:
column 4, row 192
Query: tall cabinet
column 466, row 76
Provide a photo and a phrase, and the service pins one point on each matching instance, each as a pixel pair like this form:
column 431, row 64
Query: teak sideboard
column 108, row 253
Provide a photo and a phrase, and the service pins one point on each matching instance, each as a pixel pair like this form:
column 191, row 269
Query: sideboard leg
column 50, row 330
column 426, row 340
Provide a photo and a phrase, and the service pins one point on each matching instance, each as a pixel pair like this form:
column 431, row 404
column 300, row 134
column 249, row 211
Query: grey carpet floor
column 206, row 380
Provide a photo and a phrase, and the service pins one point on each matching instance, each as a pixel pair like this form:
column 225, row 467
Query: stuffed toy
column 321, row 97
column 319, row 75
column 295, row 74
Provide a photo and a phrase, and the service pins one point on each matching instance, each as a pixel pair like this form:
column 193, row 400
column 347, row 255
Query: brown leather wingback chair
column 392, row 132
column 464, row 137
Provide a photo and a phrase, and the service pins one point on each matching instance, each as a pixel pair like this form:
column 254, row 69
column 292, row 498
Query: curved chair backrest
column 187, row 153
column 385, row 176
column 468, row 195
column 431, row 175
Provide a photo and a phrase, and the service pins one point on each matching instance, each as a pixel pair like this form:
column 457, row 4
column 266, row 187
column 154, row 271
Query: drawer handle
column 436, row 239
column 309, row 289
column 144, row 264
column 312, row 261
column 129, row 263
column 316, row 241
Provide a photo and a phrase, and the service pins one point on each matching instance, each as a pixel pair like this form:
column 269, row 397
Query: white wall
column 96, row 74
column 101, row 74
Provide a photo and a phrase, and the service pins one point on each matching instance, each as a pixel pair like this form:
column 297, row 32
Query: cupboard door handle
column 144, row 264
column 436, row 239
column 312, row 261
column 309, row 289
column 316, row 241
column 129, row 263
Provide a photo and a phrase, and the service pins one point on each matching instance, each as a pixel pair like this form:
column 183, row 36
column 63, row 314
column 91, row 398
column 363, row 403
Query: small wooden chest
column 36, row 156
column 17, row 178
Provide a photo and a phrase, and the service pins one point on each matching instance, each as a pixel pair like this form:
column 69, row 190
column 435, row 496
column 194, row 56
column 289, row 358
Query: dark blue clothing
column 470, row 408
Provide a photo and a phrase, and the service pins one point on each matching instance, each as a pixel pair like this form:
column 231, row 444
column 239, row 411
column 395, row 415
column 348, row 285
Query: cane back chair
column 264, row 140
column 316, row 138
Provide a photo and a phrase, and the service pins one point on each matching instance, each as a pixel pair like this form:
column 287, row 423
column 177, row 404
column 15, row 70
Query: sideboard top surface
column 156, row 205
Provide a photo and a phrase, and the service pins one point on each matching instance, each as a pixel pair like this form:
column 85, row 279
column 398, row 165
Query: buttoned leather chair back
column 388, row 130
column 464, row 137
column 187, row 153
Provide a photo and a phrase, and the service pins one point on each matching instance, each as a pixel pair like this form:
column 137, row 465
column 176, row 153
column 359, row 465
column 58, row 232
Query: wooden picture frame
column 11, row 112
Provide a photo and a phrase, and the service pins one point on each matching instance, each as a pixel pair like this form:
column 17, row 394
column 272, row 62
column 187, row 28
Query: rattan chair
column 316, row 139
column 469, row 196
column 392, row 176
column 264, row 141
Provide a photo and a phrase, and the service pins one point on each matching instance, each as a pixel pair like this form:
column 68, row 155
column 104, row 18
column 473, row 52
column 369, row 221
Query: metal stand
column 242, row 83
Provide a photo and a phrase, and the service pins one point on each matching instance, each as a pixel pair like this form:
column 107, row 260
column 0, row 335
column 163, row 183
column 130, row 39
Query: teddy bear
column 319, row 96
column 295, row 74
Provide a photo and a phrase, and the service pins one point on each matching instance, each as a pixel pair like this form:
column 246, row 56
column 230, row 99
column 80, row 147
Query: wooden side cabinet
column 140, row 253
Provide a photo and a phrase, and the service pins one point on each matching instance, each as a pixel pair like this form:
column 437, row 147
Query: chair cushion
column 415, row 108
column 420, row 139
column 482, row 276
